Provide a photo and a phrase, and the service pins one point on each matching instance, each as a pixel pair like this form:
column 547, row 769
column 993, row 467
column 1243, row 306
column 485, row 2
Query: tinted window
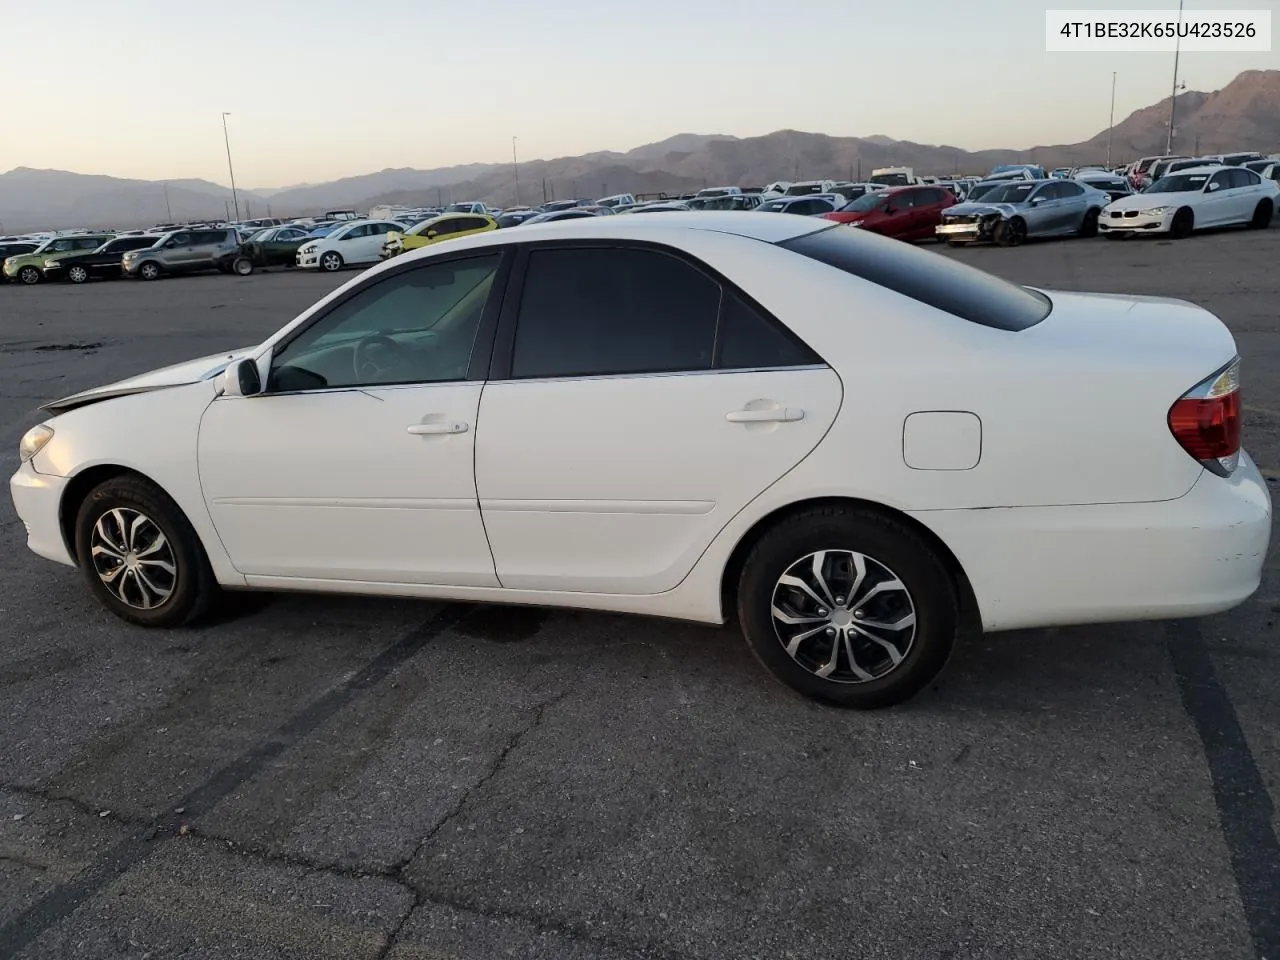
column 444, row 227
column 1222, row 178
column 90, row 243
column 415, row 327
column 603, row 311
column 946, row 284
column 1242, row 178
column 905, row 200
column 1066, row 188
column 747, row 340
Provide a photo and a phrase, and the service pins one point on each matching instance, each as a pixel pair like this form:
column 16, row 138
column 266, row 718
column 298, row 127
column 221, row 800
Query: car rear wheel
column 77, row 274
column 1262, row 214
column 243, row 266
column 149, row 271
column 140, row 555
column 1184, row 222
column 29, row 275
column 1089, row 226
column 1010, row 233
column 331, row 261
column 848, row 606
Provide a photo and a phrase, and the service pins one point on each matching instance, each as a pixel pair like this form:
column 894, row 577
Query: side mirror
column 1213, row 186
column 890, row 209
column 241, row 379
column 432, row 233
column 1037, row 200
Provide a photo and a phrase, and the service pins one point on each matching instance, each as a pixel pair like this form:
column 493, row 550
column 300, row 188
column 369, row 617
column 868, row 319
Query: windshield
column 865, row 203
column 980, row 190
column 458, row 208
column 1010, row 192
column 1180, row 183
column 803, row 189
column 60, row 246
column 892, row 179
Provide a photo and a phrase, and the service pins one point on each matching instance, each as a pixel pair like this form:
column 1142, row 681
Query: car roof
column 1207, row 168
column 768, row 227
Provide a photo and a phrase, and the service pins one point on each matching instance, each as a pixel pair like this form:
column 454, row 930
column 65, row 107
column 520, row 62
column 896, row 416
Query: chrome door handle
column 432, row 429
column 781, row 415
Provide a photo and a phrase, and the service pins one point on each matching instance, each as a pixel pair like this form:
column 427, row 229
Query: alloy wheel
column 843, row 616
column 133, row 558
column 29, row 275
column 78, row 274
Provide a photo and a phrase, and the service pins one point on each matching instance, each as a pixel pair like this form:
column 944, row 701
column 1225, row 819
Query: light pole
column 1173, row 97
column 515, row 169
column 1112, row 123
column 230, row 169
column 167, row 212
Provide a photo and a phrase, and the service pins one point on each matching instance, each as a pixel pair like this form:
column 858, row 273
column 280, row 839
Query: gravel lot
column 315, row 777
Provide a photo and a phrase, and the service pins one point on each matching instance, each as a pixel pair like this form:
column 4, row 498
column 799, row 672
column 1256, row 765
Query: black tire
column 331, row 261
column 1010, row 233
column 1184, row 221
column 192, row 588
column 29, row 275
column 889, row 546
column 242, row 266
column 150, row 270
column 1262, row 215
column 77, row 273
column 1089, row 226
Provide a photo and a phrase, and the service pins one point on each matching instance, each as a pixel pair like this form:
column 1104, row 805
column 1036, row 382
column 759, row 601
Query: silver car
column 1011, row 213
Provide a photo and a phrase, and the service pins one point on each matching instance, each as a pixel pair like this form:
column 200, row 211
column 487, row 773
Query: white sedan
column 350, row 245
column 1191, row 199
column 855, row 446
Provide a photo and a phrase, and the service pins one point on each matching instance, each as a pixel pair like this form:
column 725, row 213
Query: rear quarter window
column 930, row 278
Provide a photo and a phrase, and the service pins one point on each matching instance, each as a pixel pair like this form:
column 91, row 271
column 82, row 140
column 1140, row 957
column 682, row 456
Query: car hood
column 1149, row 201
column 978, row 208
column 189, row 371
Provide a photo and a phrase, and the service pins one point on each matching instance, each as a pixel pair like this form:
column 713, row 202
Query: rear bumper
column 1054, row 566
column 37, row 498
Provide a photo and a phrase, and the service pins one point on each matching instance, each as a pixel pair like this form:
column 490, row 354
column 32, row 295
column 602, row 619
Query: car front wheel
column 140, row 555
column 331, row 261
column 149, row 271
column 29, row 275
column 848, row 606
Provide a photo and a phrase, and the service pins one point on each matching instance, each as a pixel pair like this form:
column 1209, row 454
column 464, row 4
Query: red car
column 904, row 213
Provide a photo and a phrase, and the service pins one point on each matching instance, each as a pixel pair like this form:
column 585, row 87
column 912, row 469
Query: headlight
column 853, row 223
column 50, row 263
column 1158, row 211
column 308, row 248
column 33, row 441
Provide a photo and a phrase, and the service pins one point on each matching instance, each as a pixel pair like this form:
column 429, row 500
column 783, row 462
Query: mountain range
column 1244, row 115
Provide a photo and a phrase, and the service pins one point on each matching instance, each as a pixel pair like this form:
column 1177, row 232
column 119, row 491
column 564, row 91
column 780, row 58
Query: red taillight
column 1206, row 420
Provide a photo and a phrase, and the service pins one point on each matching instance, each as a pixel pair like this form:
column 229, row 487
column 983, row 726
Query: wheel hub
column 843, row 616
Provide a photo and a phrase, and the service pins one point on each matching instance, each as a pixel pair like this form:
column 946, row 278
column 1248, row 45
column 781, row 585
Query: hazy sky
column 320, row 89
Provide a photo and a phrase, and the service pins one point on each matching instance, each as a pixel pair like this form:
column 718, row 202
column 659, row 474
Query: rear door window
column 940, row 282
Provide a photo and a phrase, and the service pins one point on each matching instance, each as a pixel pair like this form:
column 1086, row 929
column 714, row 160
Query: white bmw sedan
column 855, row 446
column 1192, row 199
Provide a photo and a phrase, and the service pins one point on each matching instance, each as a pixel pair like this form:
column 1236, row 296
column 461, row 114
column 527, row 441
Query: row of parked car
column 1015, row 202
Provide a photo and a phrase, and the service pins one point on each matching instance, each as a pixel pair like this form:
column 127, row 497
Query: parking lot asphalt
column 314, row 777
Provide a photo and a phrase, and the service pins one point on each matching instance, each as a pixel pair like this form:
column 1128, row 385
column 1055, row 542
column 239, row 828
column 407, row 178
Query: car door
column 353, row 243
column 1245, row 196
column 1219, row 201
column 1043, row 212
column 636, row 404
column 357, row 461
column 1073, row 205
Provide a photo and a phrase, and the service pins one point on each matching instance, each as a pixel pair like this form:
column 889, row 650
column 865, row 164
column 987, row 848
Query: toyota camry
column 856, row 448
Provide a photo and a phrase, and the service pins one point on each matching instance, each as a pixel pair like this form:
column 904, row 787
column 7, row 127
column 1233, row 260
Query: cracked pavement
column 314, row 777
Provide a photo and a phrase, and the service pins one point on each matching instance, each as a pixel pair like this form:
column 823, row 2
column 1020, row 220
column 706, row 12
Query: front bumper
column 1098, row 563
column 1134, row 221
column 53, row 271
column 966, row 231
column 37, row 498
column 307, row 259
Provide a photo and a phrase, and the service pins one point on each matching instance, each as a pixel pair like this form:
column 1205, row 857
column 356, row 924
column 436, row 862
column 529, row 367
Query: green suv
column 26, row 268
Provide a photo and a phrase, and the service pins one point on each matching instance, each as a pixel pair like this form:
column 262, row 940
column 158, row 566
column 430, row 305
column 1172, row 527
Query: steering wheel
column 365, row 358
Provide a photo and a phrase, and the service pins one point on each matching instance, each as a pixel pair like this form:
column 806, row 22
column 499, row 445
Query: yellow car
column 443, row 227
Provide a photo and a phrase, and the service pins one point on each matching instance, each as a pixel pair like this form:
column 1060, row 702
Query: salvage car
column 657, row 415
column 1113, row 185
column 904, row 213
column 28, row 268
column 1020, row 210
column 436, row 230
column 273, row 247
column 1189, row 200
